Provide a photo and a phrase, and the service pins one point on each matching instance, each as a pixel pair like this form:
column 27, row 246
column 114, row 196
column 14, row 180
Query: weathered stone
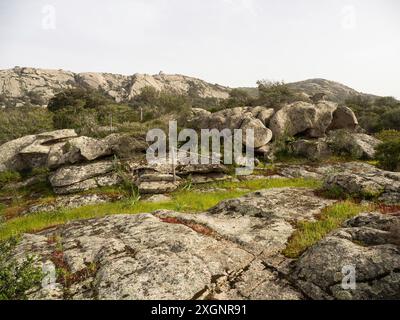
column 358, row 145
column 14, row 83
column 158, row 198
column 157, row 187
column 262, row 135
column 201, row 169
column 89, row 148
column 344, row 118
column 302, row 118
column 158, row 177
column 56, row 136
column 125, row 146
column 315, row 149
column 208, row 177
column 84, row 177
column 243, row 118
column 368, row 182
column 9, row 159
column 364, row 243
column 142, row 257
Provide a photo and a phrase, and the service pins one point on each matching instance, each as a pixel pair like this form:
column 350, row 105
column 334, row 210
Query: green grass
column 309, row 233
column 266, row 184
column 182, row 200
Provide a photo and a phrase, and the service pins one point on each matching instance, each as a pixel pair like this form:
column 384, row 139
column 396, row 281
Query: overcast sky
column 231, row 42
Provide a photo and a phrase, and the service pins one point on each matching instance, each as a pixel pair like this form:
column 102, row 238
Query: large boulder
column 30, row 151
column 344, row 118
column 262, row 135
column 302, row 118
column 263, row 114
column 83, row 177
column 9, row 151
column 369, row 245
column 125, row 146
column 256, row 118
column 52, row 150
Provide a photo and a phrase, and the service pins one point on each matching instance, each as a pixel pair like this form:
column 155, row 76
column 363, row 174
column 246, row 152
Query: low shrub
column 388, row 155
column 9, row 176
column 16, row 278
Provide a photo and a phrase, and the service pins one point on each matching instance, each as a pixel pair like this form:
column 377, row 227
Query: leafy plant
column 388, row 155
column 16, row 278
column 9, row 176
column 276, row 94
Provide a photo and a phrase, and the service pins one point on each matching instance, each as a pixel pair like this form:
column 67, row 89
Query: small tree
column 16, row 278
column 388, row 155
column 77, row 97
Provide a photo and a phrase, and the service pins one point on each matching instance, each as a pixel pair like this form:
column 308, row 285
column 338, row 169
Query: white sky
column 231, row 42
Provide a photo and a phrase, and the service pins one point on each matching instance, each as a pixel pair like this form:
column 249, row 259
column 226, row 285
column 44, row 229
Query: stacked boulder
column 77, row 163
column 51, row 149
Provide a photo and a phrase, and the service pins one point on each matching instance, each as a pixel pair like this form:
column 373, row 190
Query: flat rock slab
column 366, row 182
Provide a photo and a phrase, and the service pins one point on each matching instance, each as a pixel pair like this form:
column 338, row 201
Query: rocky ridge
column 16, row 84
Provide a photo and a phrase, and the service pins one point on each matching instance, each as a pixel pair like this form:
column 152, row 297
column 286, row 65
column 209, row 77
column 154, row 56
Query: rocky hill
column 37, row 86
column 334, row 91
column 21, row 85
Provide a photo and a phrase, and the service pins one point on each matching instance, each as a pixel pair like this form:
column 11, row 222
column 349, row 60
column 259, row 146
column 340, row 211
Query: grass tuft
column 310, row 232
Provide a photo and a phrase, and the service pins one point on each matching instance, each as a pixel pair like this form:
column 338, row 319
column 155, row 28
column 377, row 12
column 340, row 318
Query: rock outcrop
column 366, row 181
column 322, row 128
column 369, row 245
column 338, row 142
column 52, row 150
column 303, row 118
column 77, row 178
column 157, row 183
column 16, row 85
column 357, row 145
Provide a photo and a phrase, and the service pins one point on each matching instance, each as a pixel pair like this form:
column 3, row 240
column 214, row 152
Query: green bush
column 16, row 278
column 377, row 114
column 155, row 103
column 342, row 145
column 282, row 147
column 276, row 94
column 9, row 176
column 388, row 135
column 388, row 155
column 78, row 98
column 238, row 98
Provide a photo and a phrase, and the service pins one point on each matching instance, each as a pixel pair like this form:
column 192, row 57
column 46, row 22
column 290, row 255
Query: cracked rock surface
column 369, row 243
column 233, row 251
